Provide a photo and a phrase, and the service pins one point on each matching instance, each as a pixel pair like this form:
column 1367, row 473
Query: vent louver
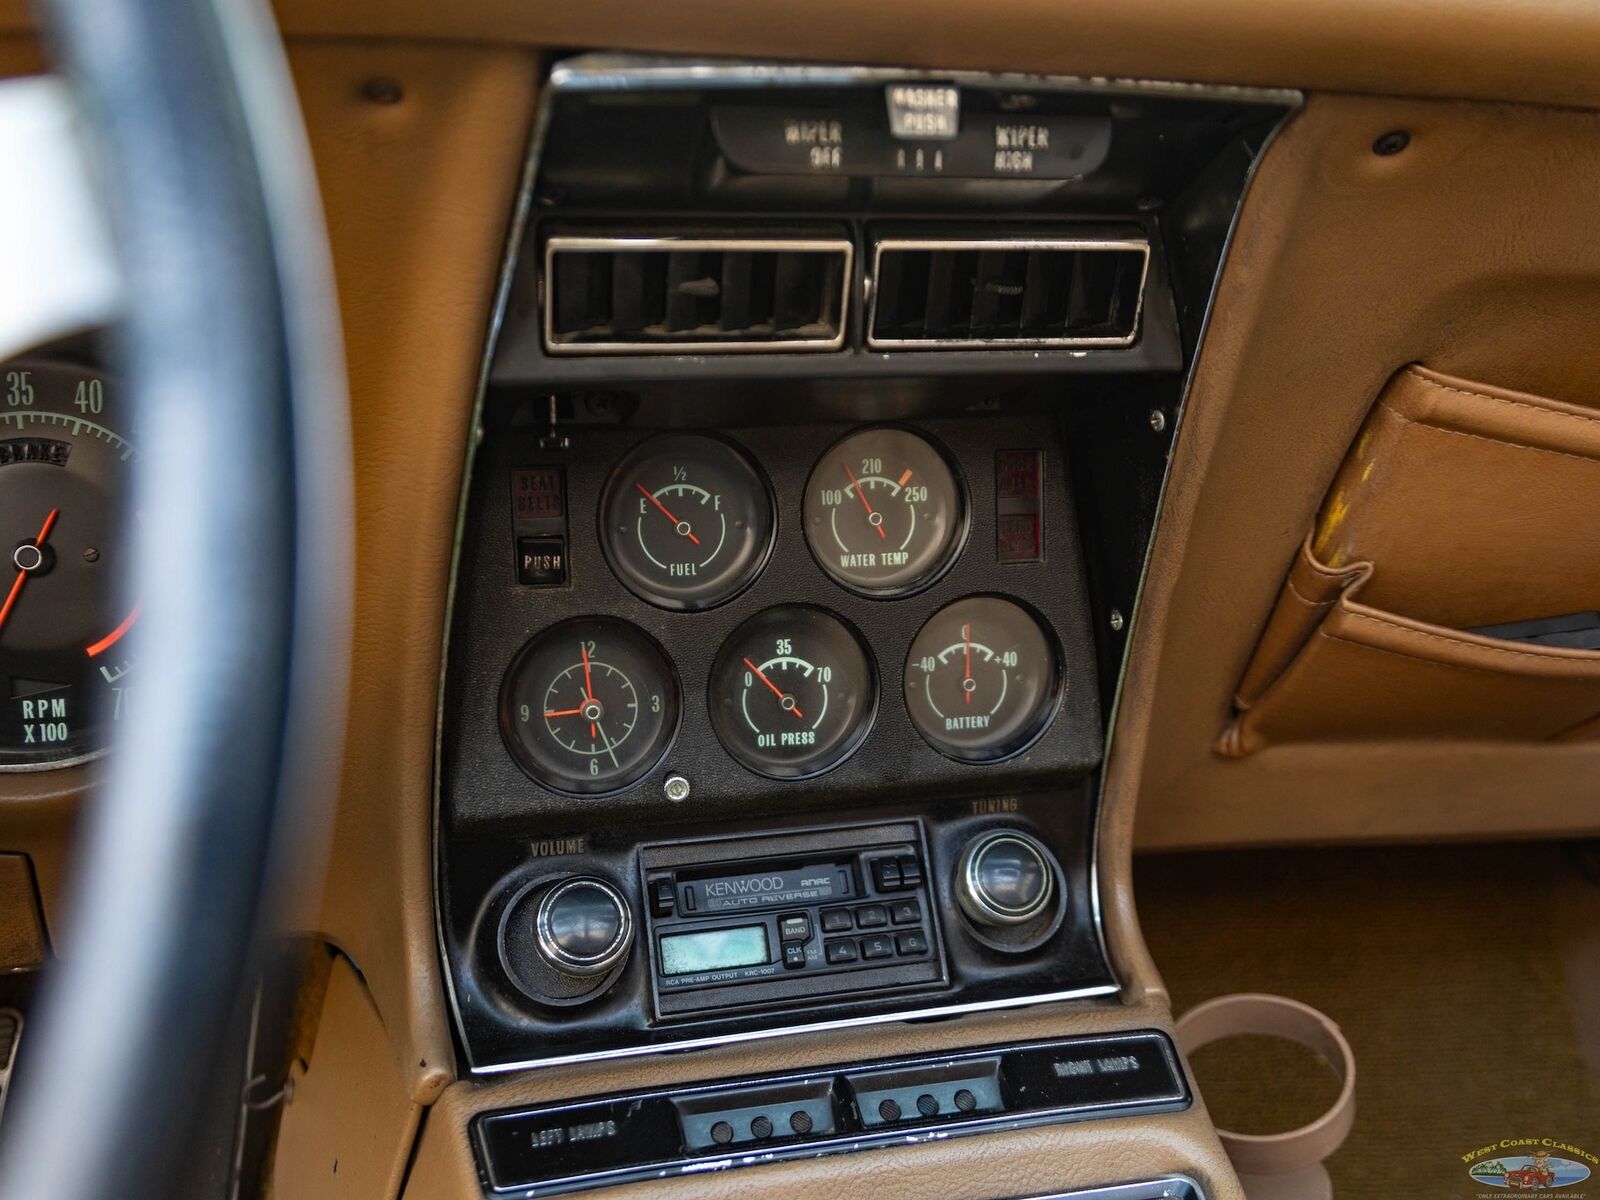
column 620, row 295
column 1000, row 293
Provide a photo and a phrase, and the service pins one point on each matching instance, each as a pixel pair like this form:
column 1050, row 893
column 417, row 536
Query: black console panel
column 821, row 442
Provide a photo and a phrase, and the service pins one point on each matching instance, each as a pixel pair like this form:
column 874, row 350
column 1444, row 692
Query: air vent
column 1000, row 293
column 623, row 295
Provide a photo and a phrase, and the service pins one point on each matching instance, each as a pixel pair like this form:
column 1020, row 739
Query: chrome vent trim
column 701, row 340
column 1003, row 340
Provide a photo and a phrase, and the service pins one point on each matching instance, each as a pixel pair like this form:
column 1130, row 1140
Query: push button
column 871, row 916
column 877, row 946
column 905, row 912
column 835, row 920
column 795, row 929
column 886, row 874
column 794, row 955
column 910, row 871
column 661, row 898
column 542, row 561
column 911, row 943
column 840, row 950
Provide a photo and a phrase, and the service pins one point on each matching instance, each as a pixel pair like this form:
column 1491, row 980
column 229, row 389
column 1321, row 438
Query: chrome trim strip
column 874, row 342
column 692, row 345
column 1168, row 1187
column 760, row 1035
column 602, row 72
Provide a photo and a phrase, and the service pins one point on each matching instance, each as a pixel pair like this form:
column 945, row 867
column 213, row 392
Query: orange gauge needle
column 565, row 712
column 865, row 503
column 776, row 690
column 115, row 636
column 22, row 574
column 681, row 526
column 966, row 639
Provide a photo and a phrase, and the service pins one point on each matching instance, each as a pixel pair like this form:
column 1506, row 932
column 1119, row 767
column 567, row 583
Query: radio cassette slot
column 748, row 922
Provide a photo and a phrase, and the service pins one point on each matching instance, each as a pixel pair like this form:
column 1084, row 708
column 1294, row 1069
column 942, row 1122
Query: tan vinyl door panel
column 1473, row 251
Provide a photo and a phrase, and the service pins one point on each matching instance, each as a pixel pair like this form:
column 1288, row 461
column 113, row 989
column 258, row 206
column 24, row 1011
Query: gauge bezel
column 1049, row 710
column 614, row 482
column 80, row 363
column 518, row 750
column 865, row 722
column 962, row 523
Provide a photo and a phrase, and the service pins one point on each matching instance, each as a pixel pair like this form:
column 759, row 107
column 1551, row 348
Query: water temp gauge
column 982, row 679
column 589, row 706
column 792, row 692
column 884, row 513
column 686, row 521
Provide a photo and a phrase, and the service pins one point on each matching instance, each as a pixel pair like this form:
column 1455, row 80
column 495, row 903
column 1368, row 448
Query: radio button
column 871, row 916
column 911, row 944
column 877, row 946
column 835, row 920
column 905, row 912
column 661, row 898
column 840, row 950
column 886, row 874
column 794, row 955
column 910, row 871
column 795, row 929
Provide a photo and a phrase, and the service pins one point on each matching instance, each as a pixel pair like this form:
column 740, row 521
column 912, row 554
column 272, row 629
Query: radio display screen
column 714, row 950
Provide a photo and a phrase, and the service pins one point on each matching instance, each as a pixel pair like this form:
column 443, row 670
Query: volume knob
column 584, row 927
column 1005, row 878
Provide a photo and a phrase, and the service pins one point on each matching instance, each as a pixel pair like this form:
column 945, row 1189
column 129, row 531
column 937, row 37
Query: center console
column 817, row 457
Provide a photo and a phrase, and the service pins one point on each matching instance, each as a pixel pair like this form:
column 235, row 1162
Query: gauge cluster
column 64, row 664
column 741, row 620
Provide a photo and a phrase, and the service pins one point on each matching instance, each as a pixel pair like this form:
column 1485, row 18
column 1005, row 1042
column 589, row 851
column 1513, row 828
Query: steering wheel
column 228, row 347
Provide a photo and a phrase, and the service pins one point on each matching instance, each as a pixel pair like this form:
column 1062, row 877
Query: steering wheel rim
column 233, row 373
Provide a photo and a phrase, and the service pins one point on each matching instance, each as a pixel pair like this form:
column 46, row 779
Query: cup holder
column 1280, row 1166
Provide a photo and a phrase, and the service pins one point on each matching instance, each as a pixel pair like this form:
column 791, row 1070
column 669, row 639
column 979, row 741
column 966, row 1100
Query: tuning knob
column 1005, row 878
column 584, row 927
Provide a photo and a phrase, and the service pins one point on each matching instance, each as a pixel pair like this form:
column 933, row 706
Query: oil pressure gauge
column 884, row 512
column 686, row 522
column 982, row 679
column 792, row 692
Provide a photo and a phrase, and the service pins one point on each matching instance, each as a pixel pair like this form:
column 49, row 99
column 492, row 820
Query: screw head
column 676, row 788
column 1391, row 143
column 1117, row 620
column 1158, row 420
column 381, row 89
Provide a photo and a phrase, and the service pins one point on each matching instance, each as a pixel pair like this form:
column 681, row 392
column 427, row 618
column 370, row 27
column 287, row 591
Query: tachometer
column 884, row 513
column 589, row 706
column 792, row 692
column 63, row 664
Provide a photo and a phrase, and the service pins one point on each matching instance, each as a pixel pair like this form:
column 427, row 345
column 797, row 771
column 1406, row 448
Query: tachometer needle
column 776, row 690
column 966, row 640
column 24, row 572
column 681, row 526
column 865, row 503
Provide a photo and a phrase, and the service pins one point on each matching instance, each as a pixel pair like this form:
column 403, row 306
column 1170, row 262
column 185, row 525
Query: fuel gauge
column 792, row 692
column 687, row 521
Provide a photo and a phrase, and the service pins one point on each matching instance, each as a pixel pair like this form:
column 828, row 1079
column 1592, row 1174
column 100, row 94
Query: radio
column 765, row 922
